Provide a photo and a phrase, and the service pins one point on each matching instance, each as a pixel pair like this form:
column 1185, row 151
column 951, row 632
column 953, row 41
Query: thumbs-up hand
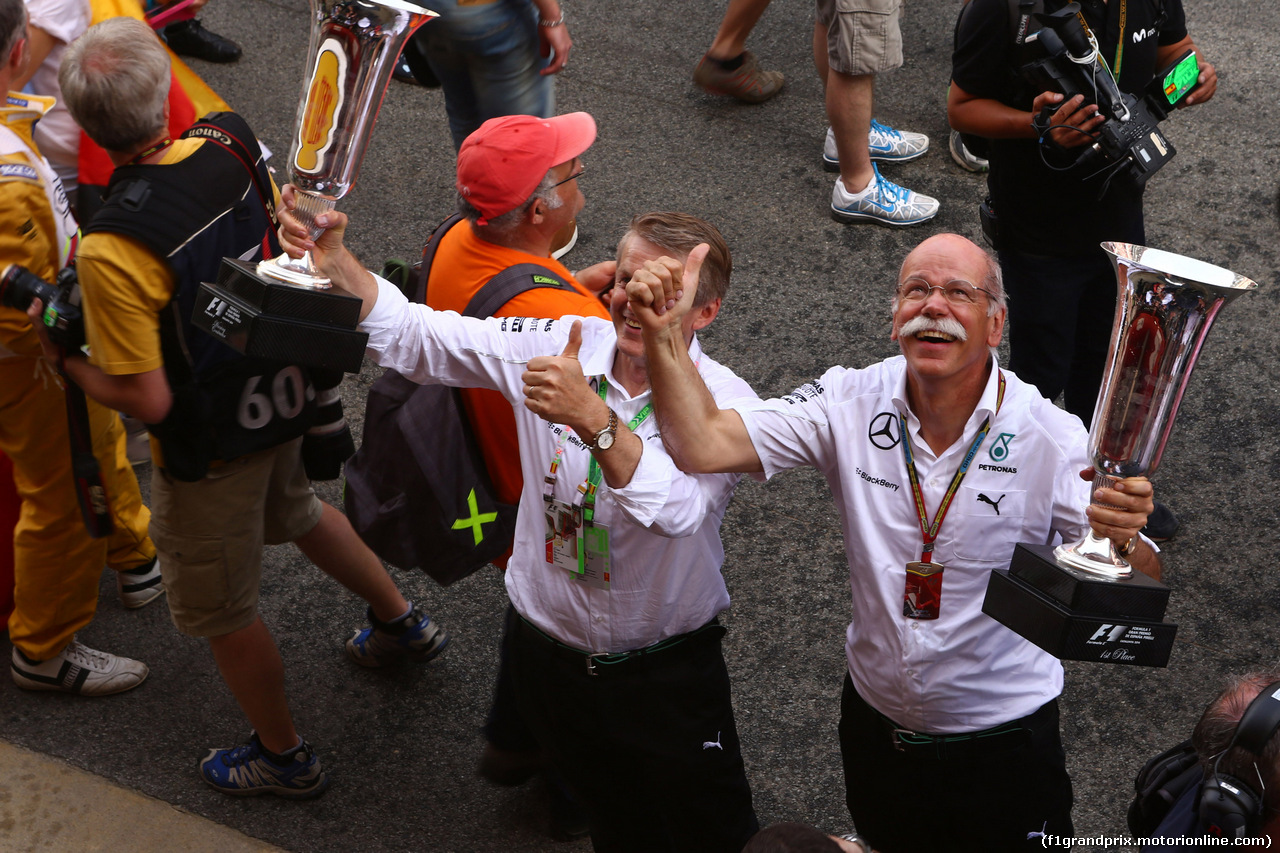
column 574, row 343
column 662, row 292
column 556, row 390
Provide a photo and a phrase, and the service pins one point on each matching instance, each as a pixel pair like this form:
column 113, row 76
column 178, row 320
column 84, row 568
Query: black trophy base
column 272, row 320
column 1137, row 596
column 1076, row 615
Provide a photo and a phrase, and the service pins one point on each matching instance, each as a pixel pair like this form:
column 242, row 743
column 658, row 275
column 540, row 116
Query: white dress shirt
column 962, row 671
column 664, row 525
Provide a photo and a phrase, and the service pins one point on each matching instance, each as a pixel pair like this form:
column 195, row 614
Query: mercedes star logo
column 883, row 431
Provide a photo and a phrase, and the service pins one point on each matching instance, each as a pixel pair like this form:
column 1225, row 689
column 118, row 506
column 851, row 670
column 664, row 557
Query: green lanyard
column 594, row 474
column 1124, row 16
column 929, row 532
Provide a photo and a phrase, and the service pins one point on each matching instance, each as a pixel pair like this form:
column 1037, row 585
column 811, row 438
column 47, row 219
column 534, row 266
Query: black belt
column 1002, row 738
column 619, row 663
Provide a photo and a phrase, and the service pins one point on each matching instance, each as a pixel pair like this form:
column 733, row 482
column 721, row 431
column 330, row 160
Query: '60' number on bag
column 289, row 392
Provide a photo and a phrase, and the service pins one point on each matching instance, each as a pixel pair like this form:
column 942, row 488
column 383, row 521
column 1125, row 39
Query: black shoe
column 1162, row 524
column 568, row 818
column 190, row 38
column 508, row 767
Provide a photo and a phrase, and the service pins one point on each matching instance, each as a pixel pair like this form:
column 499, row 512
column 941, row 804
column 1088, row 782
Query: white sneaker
column 79, row 669
column 137, row 590
column 965, row 158
column 886, row 145
column 883, row 202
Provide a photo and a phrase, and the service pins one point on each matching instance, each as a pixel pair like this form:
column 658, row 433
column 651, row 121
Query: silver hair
column 993, row 283
column 115, row 81
column 509, row 221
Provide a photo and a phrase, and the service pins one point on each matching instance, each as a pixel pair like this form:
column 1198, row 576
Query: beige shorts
column 863, row 36
column 210, row 534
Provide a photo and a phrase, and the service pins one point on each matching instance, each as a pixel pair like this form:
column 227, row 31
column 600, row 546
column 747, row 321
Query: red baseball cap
column 504, row 160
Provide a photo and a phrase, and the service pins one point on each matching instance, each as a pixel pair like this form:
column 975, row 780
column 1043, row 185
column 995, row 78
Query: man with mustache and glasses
column 939, row 462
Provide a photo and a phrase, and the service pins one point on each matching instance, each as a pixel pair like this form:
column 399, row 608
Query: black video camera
column 1072, row 65
column 62, row 315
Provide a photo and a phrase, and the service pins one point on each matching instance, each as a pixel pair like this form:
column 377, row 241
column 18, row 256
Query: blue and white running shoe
column 884, row 203
column 416, row 637
column 247, row 771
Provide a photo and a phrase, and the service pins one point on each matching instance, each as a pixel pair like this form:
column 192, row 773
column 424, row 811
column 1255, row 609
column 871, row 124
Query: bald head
column 965, row 258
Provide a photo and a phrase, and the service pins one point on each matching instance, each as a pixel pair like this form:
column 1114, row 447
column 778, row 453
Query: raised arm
column 700, row 436
column 327, row 250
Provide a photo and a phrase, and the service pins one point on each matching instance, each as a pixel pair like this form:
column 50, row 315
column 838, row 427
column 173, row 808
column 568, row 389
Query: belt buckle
column 591, row 665
column 897, row 742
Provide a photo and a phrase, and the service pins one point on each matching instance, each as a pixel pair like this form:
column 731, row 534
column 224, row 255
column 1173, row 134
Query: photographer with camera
column 58, row 560
column 1053, row 198
column 227, row 429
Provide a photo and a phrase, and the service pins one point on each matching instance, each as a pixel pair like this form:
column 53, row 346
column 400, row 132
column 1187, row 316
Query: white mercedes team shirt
column 664, row 525
column 963, row 671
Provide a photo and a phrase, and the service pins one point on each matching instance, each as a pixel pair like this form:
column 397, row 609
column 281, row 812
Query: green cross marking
column 476, row 519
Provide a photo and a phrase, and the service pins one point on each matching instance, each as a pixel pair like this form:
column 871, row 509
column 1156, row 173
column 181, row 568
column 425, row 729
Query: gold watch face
column 604, row 441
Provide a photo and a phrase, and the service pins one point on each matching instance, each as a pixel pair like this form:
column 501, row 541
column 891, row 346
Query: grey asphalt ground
column 807, row 293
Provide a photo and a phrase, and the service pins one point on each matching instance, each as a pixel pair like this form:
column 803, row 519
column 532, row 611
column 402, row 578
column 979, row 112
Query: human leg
column 849, row 99
column 130, row 552
column 1092, row 339
column 210, row 534
column 339, row 552
column 1044, row 300
column 57, row 564
column 739, row 20
column 252, row 669
column 986, row 795
column 398, row 630
column 487, row 60
column 728, row 68
column 649, row 748
column 849, row 49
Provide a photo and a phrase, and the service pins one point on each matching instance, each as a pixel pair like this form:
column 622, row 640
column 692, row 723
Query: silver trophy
column 284, row 309
column 1166, row 306
column 354, row 47
column 1083, row 601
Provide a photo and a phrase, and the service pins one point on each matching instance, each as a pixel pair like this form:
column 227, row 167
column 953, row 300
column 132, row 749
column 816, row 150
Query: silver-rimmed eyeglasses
column 957, row 291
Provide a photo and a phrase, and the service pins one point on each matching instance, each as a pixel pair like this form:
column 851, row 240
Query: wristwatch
column 604, row 438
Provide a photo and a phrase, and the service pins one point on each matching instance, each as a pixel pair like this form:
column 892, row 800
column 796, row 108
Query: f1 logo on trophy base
column 285, row 309
column 1084, row 601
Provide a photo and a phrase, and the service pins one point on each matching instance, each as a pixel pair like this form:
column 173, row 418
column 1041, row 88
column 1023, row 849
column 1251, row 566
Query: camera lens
column 19, row 286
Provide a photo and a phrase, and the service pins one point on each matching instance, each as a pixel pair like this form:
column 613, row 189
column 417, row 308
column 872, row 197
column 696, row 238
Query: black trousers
column 991, row 795
column 504, row 727
column 1060, row 317
column 648, row 747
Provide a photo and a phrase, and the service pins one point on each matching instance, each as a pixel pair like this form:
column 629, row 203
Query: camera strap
column 222, row 136
column 91, row 493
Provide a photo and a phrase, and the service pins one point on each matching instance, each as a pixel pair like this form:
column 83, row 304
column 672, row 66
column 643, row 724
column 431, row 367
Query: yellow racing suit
column 57, row 565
